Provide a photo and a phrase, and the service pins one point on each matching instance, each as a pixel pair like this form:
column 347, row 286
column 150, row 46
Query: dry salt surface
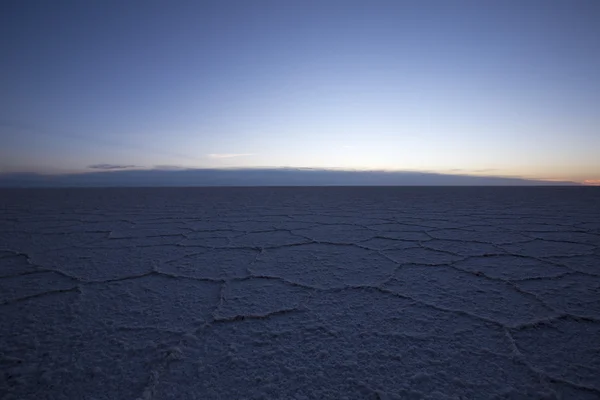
column 300, row 293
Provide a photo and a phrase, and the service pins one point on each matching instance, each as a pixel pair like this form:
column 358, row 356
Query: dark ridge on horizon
column 260, row 177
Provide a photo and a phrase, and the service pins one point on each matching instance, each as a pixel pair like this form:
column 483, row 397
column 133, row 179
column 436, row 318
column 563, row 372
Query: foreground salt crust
column 300, row 293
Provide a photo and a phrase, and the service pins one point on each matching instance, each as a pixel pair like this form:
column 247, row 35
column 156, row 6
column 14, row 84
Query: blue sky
column 502, row 88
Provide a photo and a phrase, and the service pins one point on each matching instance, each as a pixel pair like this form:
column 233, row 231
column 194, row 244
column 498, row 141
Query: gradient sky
column 505, row 88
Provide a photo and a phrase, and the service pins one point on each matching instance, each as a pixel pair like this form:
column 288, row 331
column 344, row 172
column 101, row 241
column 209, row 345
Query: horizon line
column 265, row 177
column 115, row 169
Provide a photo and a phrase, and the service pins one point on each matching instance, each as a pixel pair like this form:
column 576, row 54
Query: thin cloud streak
column 164, row 167
column 112, row 166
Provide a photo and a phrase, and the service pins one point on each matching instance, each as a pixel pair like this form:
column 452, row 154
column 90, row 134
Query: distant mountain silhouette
column 259, row 177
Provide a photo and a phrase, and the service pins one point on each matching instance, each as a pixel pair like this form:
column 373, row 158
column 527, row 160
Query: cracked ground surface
column 300, row 293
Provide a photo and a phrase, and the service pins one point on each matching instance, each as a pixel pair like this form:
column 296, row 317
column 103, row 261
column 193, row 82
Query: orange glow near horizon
column 592, row 182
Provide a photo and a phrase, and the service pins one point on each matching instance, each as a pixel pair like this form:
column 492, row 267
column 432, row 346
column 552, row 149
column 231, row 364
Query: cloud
column 228, row 155
column 593, row 182
column 169, row 167
column 111, row 166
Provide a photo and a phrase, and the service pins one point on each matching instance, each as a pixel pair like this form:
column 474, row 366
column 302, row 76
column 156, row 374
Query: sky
column 495, row 88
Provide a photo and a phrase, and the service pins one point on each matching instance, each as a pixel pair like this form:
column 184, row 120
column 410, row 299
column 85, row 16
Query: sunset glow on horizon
column 500, row 89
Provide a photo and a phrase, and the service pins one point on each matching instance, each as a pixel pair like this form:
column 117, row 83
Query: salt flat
column 300, row 293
